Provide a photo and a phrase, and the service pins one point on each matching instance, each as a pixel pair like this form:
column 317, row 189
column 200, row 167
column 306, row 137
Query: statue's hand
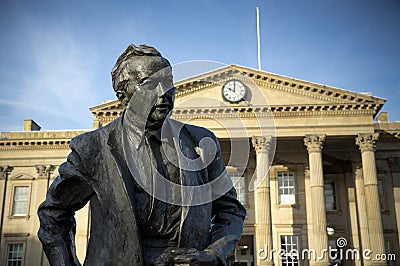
column 194, row 257
column 165, row 259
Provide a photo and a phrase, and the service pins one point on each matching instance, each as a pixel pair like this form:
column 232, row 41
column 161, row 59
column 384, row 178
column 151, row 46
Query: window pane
column 286, row 189
column 14, row 254
column 330, row 196
column 381, row 194
column 239, row 184
column 290, row 245
column 20, row 202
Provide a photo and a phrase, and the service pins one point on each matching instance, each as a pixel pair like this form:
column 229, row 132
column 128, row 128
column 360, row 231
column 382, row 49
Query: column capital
column 261, row 143
column 314, row 143
column 44, row 171
column 357, row 170
column 307, row 172
column 394, row 164
column 366, row 141
column 5, row 170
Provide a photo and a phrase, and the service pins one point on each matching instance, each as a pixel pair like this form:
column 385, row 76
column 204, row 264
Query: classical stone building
column 325, row 165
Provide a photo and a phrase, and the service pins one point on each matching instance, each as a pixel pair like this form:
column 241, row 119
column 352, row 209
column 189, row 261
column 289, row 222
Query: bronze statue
column 140, row 174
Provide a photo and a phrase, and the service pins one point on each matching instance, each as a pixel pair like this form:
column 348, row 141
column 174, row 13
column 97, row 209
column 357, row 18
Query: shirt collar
column 135, row 129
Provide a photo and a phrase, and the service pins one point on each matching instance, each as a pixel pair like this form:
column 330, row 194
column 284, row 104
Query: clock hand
column 231, row 93
column 229, row 88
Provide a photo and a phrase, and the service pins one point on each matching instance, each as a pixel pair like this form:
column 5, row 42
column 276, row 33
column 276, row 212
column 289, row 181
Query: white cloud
column 61, row 82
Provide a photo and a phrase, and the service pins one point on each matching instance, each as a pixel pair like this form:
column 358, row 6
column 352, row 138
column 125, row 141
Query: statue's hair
column 132, row 51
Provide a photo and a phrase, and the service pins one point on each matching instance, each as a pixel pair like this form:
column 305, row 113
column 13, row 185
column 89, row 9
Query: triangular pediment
column 278, row 90
column 22, row 176
column 203, row 93
column 107, row 106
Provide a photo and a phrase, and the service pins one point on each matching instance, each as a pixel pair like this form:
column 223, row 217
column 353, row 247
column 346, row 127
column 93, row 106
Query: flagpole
column 258, row 38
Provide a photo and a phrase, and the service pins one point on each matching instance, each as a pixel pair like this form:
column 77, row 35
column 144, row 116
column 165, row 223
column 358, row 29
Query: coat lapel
column 115, row 146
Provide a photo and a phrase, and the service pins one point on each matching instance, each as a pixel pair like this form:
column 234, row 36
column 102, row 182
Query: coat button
column 137, row 258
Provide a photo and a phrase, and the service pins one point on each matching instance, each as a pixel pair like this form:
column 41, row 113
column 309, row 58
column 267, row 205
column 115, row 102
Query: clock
column 233, row 91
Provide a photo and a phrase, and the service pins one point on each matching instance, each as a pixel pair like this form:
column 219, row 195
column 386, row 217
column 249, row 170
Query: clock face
column 234, row 91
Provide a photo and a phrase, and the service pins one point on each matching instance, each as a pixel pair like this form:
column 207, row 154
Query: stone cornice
column 389, row 136
column 108, row 105
column 288, row 110
column 250, row 112
column 40, row 135
column 34, row 147
column 37, row 140
column 107, row 116
column 388, row 132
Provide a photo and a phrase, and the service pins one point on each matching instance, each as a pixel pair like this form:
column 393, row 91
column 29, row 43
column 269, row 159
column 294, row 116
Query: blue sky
column 56, row 56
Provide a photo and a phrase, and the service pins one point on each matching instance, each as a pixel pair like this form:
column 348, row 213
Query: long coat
column 96, row 170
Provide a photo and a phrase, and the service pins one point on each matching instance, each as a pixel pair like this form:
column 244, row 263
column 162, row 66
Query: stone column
column 314, row 144
column 263, row 202
column 394, row 163
column 367, row 145
column 352, row 205
column 361, row 209
column 43, row 181
column 309, row 211
column 5, row 171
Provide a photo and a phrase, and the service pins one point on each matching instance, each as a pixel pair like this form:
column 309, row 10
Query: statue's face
column 139, row 74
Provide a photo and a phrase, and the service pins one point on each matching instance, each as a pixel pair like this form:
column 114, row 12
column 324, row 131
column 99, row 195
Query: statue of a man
column 140, row 174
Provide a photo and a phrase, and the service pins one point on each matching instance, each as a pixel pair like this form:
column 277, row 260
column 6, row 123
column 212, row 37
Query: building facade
column 318, row 171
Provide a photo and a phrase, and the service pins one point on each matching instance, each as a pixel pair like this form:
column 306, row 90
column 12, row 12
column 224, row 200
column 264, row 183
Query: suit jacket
column 97, row 171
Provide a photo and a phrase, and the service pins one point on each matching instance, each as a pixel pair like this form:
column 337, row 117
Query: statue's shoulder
column 92, row 140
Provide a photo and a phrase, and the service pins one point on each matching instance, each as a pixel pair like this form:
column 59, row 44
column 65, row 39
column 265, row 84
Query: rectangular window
column 238, row 182
column 286, row 189
column 330, row 196
column 20, row 201
column 15, row 253
column 290, row 244
column 381, row 192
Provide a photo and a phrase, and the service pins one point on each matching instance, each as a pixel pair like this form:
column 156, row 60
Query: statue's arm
column 67, row 194
column 228, row 215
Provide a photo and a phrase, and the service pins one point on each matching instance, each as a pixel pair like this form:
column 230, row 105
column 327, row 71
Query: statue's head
column 142, row 68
